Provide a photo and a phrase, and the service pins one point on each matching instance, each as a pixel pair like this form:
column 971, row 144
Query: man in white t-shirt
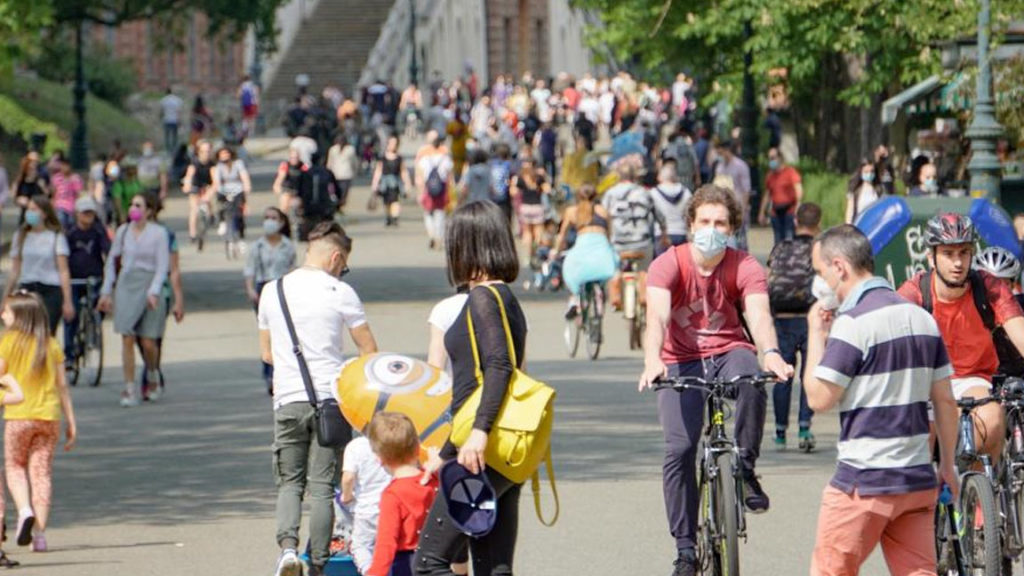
column 322, row 307
column 363, row 479
column 170, row 114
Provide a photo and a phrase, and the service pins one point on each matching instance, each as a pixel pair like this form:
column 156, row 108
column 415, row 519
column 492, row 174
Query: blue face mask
column 868, row 177
column 33, row 218
column 930, row 185
column 773, row 165
column 710, row 241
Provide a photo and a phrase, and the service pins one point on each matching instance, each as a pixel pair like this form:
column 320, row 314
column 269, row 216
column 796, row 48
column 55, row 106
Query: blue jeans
column 783, row 223
column 792, row 333
column 170, row 138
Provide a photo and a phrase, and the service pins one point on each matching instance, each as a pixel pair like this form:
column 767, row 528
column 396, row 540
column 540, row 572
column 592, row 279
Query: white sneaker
column 129, row 400
column 288, row 564
column 222, row 228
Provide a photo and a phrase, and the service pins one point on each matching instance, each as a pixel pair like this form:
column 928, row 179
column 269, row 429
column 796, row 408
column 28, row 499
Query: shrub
column 108, row 78
column 14, row 120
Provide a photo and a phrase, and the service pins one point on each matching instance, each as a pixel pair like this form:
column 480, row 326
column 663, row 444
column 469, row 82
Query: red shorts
column 250, row 111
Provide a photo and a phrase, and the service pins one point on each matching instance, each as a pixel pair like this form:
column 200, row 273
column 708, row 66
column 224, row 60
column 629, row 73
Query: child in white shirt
column 362, row 481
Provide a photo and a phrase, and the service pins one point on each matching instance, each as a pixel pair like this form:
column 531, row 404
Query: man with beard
column 967, row 305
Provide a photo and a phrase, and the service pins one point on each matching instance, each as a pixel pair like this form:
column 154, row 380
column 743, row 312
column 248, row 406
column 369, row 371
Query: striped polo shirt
column 886, row 353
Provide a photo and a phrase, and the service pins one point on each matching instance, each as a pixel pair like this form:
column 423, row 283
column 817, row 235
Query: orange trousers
column 851, row 525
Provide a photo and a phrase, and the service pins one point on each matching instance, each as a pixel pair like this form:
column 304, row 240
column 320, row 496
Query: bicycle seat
column 631, row 255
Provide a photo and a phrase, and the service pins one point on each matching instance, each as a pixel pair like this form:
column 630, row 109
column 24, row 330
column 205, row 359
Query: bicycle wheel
column 91, row 356
column 980, row 526
column 571, row 335
column 727, row 512
column 74, row 365
column 593, row 320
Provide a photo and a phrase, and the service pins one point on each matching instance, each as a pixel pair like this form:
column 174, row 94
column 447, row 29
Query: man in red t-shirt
column 969, row 341
column 785, row 191
column 695, row 296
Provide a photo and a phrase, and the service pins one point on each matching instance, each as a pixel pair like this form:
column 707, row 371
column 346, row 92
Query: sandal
column 6, row 562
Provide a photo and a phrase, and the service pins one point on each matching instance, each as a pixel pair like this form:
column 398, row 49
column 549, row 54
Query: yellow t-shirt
column 39, row 386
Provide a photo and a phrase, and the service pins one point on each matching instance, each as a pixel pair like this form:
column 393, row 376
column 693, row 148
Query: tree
column 843, row 57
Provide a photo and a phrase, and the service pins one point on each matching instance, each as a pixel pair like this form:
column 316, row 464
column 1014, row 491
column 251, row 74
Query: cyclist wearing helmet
column 967, row 306
column 1002, row 264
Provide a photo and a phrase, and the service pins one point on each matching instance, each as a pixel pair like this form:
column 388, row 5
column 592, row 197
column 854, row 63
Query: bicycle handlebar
column 90, row 281
column 708, row 385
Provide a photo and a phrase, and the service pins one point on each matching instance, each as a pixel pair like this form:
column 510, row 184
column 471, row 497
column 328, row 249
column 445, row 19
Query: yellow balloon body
column 397, row 383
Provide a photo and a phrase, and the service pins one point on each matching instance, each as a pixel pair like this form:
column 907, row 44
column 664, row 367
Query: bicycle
column 207, row 220
column 1010, row 473
column 86, row 364
column 635, row 311
column 231, row 216
column 587, row 321
column 979, row 526
column 722, row 518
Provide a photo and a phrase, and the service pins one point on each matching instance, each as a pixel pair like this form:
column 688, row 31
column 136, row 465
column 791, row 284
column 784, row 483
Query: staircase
column 332, row 47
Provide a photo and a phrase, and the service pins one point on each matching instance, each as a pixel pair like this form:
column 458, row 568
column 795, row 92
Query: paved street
column 184, row 486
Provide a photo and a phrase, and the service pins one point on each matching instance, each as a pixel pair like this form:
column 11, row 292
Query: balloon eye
column 397, row 367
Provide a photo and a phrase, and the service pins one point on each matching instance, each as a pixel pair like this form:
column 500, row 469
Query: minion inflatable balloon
column 396, row 383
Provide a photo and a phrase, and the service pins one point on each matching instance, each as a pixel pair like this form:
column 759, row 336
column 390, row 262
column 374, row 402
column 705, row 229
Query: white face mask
column 824, row 293
column 710, row 241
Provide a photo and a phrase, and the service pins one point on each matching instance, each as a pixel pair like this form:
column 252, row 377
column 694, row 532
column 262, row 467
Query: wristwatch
column 772, row 351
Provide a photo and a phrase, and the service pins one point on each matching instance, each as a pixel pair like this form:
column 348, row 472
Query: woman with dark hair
column 29, row 182
column 864, row 192
column 388, row 178
column 271, row 257
column 481, row 254
column 39, row 261
column 202, row 120
column 140, row 309
column 231, row 183
column 343, row 163
column 530, row 186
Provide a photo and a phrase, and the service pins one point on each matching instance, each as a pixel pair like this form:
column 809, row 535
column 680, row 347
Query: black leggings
column 53, row 301
column 442, row 544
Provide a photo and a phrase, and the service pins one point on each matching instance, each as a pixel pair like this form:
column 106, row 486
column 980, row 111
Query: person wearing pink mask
column 143, row 249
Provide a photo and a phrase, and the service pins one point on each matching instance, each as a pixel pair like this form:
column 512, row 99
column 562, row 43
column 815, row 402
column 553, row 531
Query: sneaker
column 807, row 441
column 288, row 564
column 572, row 311
column 754, row 496
column 780, row 442
column 155, row 391
column 25, row 525
column 39, row 542
column 129, row 400
column 222, row 228
column 685, row 564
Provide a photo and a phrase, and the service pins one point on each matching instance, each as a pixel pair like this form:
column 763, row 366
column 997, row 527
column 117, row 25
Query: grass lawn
column 52, row 102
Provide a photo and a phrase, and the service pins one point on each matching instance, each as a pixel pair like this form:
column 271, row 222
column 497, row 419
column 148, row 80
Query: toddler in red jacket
column 405, row 502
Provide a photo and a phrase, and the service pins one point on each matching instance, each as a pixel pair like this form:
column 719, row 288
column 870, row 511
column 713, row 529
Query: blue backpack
column 501, row 174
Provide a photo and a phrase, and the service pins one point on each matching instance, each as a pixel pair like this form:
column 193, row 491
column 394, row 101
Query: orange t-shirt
column 782, row 185
column 969, row 343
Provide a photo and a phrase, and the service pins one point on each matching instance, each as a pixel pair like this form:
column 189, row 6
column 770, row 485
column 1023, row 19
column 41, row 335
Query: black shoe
column 6, row 562
column 754, row 496
column 685, row 564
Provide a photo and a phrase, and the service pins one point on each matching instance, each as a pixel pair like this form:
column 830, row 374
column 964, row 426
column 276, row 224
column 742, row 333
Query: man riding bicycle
column 967, row 305
column 705, row 296
column 633, row 216
column 1002, row 264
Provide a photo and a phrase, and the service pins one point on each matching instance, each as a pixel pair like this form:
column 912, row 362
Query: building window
column 192, row 48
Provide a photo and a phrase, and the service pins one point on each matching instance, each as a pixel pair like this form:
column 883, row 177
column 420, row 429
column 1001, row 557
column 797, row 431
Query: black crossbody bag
column 332, row 430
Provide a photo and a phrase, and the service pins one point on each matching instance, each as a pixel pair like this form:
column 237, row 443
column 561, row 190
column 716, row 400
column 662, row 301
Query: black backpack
column 318, row 195
column 791, row 276
column 436, row 186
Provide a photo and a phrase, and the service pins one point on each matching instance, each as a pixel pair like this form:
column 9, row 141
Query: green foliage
column 828, row 190
column 1008, row 91
column 51, row 102
column 15, row 121
column 109, row 78
column 20, row 22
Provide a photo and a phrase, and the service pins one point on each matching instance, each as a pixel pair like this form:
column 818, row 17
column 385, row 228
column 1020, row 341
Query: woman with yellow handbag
column 481, row 253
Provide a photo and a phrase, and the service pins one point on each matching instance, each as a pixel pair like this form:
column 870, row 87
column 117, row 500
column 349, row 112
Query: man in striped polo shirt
column 880, row 359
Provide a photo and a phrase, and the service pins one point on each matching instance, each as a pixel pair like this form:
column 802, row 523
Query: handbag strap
column 535, row 487
column 472, row 336
column 307, row 379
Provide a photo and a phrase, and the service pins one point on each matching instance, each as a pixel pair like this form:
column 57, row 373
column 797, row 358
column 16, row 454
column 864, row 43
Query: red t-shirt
column 692, row 332
column 572, row 97
column 968, row 341
column 781, row 185
column 404, row 505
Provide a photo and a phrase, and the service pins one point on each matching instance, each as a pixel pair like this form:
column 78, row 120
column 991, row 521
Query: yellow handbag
column 520, row 438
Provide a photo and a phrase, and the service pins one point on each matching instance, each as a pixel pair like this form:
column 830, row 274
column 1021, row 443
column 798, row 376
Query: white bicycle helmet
column 998, row 262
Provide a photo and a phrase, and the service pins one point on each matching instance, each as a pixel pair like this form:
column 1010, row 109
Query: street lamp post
column 985, row 169
column 79, row 142
column 413, row 67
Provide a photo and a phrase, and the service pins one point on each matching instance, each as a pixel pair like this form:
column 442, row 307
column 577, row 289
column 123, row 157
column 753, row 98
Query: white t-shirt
column 170, row 109
column 371, row 477
column 39, row 256
column 322, row 307
column 673, row 213
column 444, row 315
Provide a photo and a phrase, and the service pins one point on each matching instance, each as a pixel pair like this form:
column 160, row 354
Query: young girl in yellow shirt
column 35, row 360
